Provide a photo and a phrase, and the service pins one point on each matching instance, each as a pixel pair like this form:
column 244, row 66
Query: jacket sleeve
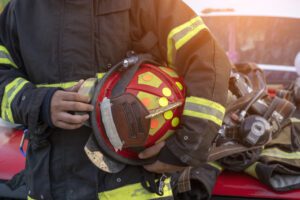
column 188, row 46
column 20, row 100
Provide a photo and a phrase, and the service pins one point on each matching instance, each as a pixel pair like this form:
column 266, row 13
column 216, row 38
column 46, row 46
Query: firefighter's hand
column 158, row 166
column 65, row 103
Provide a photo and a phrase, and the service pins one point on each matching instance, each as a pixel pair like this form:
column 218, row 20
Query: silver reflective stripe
column 4, row 55
column 109, row 125
column 6, row 124
column 203, row 109
column 284, row 180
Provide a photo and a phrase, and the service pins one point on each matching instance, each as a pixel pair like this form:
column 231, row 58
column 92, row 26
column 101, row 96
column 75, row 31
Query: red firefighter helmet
column 135, row 108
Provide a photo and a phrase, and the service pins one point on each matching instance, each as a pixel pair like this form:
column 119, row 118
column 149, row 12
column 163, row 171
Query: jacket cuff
column 168, row 157
column 45, row 113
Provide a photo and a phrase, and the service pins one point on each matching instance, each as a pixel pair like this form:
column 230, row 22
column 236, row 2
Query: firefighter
column 48, row 46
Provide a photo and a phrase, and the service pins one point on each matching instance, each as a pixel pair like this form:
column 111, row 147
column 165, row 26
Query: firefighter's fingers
column 70, row 101
column 71, row 96
column 152, row 151
column 160, row 167
column 76, row 87
column 64, row 125
column 72, row 119
column 76, row 106
column 68, row 121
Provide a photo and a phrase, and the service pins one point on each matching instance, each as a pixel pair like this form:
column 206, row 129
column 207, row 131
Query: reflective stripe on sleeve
column 205, row 109
column 61, row 85
column 11, row 90
column 5, row 57
column 216, row 165
column 66, row 85
column 135, row 191
column 180, row 35
column 277, row 153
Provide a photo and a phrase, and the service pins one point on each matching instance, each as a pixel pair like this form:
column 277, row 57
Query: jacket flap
column 111, row 6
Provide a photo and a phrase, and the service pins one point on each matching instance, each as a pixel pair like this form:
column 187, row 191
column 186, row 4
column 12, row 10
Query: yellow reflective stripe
column 7, row 62
column 180, row 35
column 202, row 116
column 136, row 192
column 277, row 153
column 61, row 85
column 194, row 31
column 67, row 84
column 216, row 165
column 206, row 102
column 251, row 170
column 3, row 48
column 5, row 58
column 29, row 198
column 11, row 90
column 205, row 109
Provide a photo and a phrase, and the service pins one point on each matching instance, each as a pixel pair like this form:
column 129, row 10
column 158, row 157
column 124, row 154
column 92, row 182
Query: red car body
column 11, row 159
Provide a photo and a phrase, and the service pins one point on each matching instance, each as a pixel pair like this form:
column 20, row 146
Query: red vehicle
column 11, row 160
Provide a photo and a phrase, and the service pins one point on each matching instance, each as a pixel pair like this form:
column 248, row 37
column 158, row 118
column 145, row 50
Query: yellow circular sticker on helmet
column 175, row 122
column 163, row 102
column 167, row 92
column 168, row 115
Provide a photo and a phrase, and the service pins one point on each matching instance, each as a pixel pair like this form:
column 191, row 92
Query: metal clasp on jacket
column 161, row 184
column 24, row 137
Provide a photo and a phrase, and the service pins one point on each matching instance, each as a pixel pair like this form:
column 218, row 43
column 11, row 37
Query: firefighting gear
column 271, row 152
column 276, row 163
column 142, row 109
column 252, row 118
column 279, row 163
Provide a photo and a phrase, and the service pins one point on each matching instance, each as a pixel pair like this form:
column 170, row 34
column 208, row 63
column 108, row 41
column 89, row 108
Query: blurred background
column 263, row 31
column 266, row 32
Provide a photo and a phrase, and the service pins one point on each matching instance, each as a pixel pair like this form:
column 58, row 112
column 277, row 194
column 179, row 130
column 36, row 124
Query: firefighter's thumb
column 76, row 87
column 152, row 151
